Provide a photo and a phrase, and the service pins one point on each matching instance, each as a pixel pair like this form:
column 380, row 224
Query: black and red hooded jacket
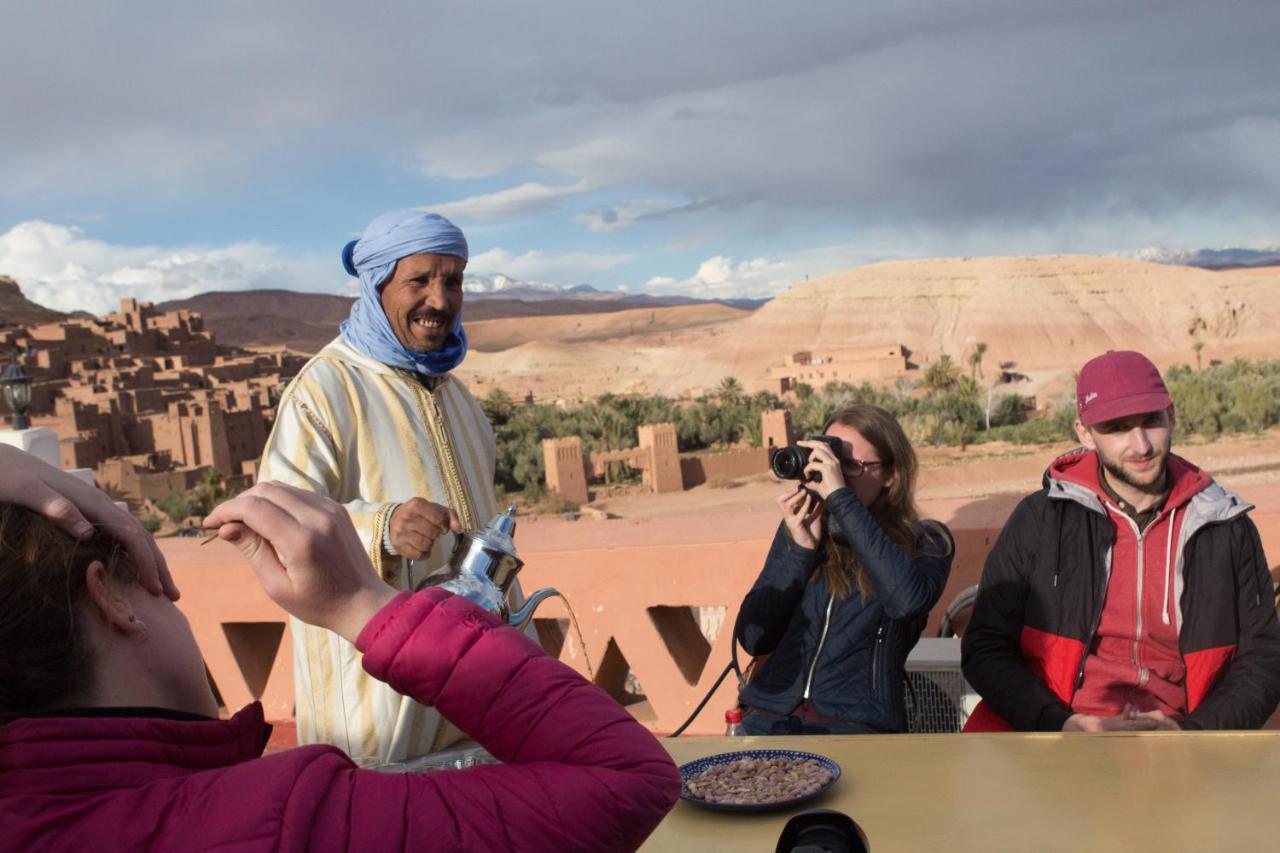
column 1043, row 589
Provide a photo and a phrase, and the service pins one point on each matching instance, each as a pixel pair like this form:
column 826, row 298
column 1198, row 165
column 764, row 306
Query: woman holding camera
column 846, row 588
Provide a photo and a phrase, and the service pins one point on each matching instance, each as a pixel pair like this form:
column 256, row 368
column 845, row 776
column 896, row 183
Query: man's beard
column 1118, row 471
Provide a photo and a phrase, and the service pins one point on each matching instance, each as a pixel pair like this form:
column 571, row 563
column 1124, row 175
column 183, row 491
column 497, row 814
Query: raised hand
column 76, row 506
column 802, row 513
column 306, row 554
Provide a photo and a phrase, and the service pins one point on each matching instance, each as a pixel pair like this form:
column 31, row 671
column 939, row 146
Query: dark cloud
column 933, row 114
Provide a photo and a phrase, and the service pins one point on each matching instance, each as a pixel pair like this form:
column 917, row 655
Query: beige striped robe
column 368, row 436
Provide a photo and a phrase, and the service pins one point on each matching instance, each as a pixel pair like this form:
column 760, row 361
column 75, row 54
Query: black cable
column 705, row 700
column 733, row 666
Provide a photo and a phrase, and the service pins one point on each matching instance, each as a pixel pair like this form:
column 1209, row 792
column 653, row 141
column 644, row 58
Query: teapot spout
column 521, row 617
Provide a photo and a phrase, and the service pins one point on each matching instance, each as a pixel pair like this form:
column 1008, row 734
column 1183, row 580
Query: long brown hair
column 895, row 510
column 45, row 657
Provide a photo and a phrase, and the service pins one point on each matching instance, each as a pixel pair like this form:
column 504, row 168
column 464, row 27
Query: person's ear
column 1086, row 437
column 1173, row 417
column 107, row 600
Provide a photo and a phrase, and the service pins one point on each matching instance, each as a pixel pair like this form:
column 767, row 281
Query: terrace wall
column 633, row 585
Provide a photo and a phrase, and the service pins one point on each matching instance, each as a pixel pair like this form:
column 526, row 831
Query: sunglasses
column 855, row 468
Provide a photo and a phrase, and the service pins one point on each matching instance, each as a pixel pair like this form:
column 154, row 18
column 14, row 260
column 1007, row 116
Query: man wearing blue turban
column 378, row 422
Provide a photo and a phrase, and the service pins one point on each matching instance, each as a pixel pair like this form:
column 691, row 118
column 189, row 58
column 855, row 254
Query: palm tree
column 605, row 419
column 730, row 390
column 499, row 406
column 975, row 359
column 942, row 375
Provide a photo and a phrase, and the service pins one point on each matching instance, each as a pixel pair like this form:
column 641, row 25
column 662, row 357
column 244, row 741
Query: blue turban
column 373, row 257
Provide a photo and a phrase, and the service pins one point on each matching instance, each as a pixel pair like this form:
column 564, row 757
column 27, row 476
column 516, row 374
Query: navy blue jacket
column 856, row 673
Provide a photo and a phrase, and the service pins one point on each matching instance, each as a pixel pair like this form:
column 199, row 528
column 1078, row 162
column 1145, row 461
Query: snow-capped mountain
column 1209, row 258
column 509, row 288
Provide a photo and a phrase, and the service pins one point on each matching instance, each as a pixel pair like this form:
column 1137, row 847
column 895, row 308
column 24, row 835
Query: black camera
column 822, row 831
column 787, row 463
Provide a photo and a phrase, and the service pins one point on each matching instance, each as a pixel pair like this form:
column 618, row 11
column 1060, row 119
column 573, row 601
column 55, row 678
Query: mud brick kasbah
column 149, row 400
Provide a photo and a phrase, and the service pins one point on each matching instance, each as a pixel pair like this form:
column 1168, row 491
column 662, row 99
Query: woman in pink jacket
column 109, row 738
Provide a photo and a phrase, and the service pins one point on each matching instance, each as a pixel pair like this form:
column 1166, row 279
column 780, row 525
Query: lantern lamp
column 16, row 385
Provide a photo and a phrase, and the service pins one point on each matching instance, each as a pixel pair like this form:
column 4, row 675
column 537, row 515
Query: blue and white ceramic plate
column 693, row 768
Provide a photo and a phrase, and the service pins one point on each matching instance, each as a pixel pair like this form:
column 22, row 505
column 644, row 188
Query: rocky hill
column 307, row 321
column 1043, row 311
column 17, row 310
column 301, row 321
column 1047, row 314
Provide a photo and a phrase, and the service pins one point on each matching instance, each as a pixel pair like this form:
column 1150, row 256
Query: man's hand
column 416, row 525
column 1119, row 723
column 76, row 506
column 802, row 513
column 1161, row 720
column 306, row 554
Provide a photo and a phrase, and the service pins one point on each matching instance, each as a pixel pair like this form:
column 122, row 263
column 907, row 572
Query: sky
column 711, row 149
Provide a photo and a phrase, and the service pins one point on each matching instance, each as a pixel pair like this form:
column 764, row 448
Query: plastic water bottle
column 733, row 723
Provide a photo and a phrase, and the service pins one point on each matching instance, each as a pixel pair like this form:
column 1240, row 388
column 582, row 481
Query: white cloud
column 719, row 277
column 989, row 125
column 606, row 220
column 550, row 267
column 619, row 217
column 527, row 198
column 58, row 266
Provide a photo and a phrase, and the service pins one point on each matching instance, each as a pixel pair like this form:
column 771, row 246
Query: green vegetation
column 177, row 505
column 610, row 422
column 1239, row 397
column 198, row 501
column 947, row 406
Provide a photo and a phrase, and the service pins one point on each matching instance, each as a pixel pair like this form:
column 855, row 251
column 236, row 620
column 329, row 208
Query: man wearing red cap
column 1131, row 592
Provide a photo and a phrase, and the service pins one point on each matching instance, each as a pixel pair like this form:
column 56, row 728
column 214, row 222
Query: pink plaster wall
column 613, row 572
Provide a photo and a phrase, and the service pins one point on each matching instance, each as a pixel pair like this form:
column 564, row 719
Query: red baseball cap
column 1118, row 384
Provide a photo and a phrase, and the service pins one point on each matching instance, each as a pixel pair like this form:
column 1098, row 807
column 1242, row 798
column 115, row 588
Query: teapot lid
column 505, row 522
column 497, row 535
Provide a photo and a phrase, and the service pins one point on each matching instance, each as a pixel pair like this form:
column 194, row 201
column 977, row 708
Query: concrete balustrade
column 646, row 593
column 242, row 633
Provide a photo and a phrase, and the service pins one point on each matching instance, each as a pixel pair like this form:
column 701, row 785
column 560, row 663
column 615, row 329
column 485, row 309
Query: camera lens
column 788, row 463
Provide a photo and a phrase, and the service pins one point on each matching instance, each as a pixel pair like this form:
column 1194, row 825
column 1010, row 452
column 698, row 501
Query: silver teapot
column 483, row 566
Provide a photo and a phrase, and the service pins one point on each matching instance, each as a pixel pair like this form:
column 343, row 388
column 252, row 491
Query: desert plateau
column 1045, row 315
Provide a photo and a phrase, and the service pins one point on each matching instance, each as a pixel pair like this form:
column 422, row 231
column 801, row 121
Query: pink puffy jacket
column 579, row 772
